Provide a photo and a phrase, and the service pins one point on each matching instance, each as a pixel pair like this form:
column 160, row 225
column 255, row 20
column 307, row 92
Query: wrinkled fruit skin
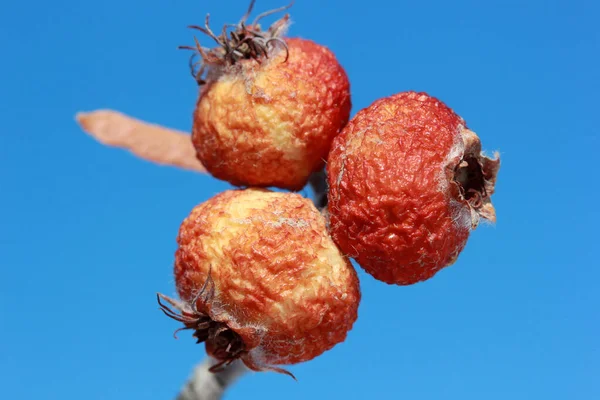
column 401, row 201
column 280, row 281
column 272, row 123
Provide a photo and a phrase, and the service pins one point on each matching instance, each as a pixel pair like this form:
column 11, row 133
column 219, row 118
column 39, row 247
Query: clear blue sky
column 87, row 233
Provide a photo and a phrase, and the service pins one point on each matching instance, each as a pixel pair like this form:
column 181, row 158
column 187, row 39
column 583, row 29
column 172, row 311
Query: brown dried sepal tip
column 242, row 43
column 222, row 343
column 475, row 178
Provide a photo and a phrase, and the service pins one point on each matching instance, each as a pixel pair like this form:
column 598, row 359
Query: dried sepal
column 222, row 343
column 237, row 42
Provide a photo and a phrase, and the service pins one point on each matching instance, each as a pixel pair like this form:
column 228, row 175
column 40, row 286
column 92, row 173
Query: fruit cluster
column 265, row 276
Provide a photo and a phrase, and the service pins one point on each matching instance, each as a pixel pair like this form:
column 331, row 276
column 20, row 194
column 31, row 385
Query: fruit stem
column 206, row 385
column 318, row 182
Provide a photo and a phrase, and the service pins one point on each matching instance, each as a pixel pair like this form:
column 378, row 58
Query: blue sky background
column 87, row 233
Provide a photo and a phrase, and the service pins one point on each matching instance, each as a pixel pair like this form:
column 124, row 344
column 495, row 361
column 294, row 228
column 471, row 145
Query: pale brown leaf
column 150, row 142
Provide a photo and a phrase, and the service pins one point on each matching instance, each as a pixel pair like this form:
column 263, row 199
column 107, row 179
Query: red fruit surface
column 271, row 123
column 279, row 281
column 408, row 182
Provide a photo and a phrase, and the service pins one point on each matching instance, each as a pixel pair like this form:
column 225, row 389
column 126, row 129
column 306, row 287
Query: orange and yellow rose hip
column 260, row 279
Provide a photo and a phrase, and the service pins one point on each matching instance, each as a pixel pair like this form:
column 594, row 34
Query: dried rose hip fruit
column 268, row 107
column 408, row 182
column 260, row 279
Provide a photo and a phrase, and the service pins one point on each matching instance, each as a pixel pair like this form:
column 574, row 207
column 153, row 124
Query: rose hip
column 268, row 107
column 408, row 182
column 261, row 280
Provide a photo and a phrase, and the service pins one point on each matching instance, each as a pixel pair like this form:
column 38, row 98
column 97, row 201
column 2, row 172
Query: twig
column 205, row 385
column 150, row 142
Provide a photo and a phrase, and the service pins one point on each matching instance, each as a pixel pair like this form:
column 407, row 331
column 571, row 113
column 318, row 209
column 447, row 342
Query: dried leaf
column 150, row 142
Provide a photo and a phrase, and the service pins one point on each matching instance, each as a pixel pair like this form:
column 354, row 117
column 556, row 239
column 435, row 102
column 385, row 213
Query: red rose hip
column 408, row 182
column 260, row 279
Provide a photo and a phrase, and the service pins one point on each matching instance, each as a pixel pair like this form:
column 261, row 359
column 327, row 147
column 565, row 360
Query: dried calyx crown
column 236, row 42
column 225, row 345
column 222, row 342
